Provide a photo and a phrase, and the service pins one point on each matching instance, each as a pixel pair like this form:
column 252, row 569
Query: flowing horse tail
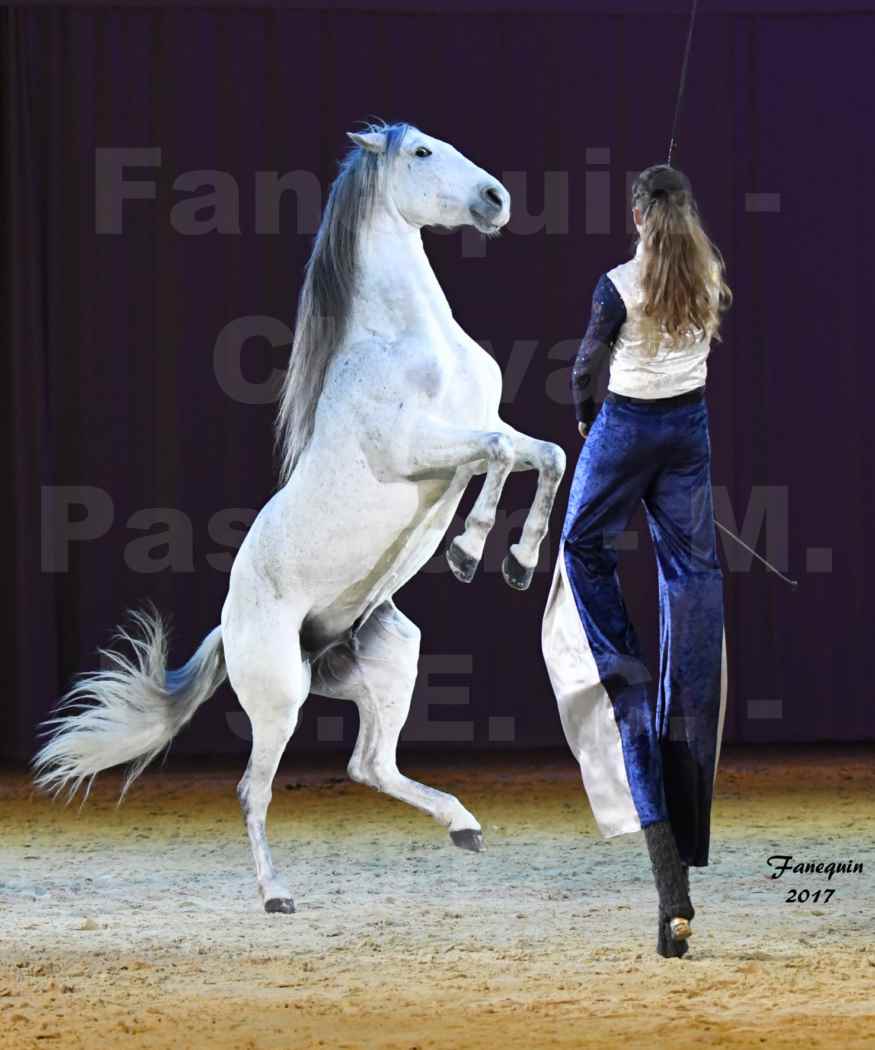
column 129, row 712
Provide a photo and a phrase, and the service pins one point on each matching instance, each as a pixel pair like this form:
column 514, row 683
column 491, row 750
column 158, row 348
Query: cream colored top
column 637, row 371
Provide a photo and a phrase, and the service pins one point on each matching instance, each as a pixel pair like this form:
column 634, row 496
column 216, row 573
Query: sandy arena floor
column 139, row 927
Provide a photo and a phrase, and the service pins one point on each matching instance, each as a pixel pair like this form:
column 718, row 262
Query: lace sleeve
column 607, row 317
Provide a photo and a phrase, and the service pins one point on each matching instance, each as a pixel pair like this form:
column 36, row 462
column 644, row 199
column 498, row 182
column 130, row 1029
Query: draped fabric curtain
column 30, row 664
column 144, row 334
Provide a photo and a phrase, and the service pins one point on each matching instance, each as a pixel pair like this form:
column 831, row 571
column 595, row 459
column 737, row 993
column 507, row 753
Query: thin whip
column 683, row 82
column 759, row 557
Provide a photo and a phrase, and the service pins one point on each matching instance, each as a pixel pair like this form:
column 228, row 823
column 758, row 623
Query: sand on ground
column 139, row 927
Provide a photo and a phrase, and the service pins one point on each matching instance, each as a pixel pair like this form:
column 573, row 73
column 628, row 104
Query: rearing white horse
column 388, row 410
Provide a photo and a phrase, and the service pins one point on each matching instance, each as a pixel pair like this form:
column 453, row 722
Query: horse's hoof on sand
column 468, row 839
column 462, row 564
column 516, row 575
column 280, row 906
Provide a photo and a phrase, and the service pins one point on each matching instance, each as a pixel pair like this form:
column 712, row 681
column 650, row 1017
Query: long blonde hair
column 682, row 271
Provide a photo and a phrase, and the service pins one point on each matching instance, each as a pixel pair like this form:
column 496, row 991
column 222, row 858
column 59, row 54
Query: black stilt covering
column 672, row 886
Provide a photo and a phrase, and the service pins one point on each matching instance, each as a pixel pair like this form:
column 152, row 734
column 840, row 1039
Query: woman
column 648, row 761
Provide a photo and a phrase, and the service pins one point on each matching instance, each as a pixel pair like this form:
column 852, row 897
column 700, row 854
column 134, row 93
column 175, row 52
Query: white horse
column 388, row 410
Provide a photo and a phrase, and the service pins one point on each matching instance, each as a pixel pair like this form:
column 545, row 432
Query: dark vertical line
column 618, row 147
column 682, row 83
column 156, row 357
column 24, row 223
column 863, row 276
column 56, row 630
column 329, row 31
column 67, row 437
column 153, row 393
column 10, row 306
column 729, row 604
column 753, row 280
column 758, row 385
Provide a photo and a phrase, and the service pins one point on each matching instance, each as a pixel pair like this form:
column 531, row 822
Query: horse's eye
column 422, row 151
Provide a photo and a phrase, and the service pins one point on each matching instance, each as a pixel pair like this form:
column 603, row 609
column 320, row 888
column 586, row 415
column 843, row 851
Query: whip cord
column 683, row 82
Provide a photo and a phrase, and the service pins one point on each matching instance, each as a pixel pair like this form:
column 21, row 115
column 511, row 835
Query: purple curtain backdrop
column 116, row 388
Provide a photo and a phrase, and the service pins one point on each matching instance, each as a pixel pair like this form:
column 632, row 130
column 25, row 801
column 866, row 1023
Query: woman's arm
column 607, row 317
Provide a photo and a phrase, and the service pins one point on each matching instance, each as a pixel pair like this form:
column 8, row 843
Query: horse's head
column 430, row 183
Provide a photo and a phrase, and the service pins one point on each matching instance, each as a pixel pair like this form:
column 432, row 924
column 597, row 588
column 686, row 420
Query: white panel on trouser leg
column 721, row 718
column 586, row 710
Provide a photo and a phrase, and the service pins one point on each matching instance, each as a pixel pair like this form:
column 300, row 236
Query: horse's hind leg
column 271, row 682
column 378, row 671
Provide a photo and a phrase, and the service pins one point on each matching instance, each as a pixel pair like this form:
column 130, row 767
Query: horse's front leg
column 466, row 550
column 442, row 447
column 549, row 461
column 496, row 453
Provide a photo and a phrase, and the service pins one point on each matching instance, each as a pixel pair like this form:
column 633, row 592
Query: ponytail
column 682, row 270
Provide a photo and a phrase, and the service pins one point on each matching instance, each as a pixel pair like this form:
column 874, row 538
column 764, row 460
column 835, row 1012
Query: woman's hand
column 582, row 430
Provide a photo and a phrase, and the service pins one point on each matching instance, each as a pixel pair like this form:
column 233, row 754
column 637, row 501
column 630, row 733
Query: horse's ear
column 373, row 141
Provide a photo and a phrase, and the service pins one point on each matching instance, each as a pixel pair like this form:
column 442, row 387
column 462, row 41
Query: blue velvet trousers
column 668, row 731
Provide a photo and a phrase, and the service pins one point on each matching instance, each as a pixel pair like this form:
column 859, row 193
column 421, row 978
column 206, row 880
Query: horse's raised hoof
column 462, row 564
column 280, row 906
column 468, row 839
column 516, row 575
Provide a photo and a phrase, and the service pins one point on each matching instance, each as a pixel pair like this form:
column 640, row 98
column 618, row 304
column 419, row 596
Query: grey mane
column 327, row 292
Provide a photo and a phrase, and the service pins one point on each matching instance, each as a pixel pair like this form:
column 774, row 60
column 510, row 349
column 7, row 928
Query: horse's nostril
column 493, row 196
